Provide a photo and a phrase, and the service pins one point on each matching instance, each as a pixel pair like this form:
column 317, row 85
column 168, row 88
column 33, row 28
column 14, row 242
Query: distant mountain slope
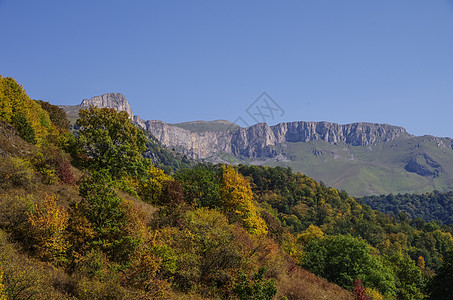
column 361, row 158
column 435, row 206
column 202, row 126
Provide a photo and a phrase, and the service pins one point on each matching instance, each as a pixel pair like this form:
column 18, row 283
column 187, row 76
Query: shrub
column 258, row 288
column 16, row 172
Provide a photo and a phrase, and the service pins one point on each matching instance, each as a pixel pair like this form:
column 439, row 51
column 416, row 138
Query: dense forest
column 108, row 213
column 434, row 206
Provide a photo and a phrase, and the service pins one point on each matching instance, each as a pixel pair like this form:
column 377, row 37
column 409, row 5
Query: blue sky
column 343, row 61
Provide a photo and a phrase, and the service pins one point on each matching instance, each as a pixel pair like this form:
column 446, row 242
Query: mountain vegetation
column 89, row 216
column 428, row 207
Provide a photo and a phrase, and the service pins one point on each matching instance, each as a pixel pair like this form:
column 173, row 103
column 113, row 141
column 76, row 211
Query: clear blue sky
column 386, row 61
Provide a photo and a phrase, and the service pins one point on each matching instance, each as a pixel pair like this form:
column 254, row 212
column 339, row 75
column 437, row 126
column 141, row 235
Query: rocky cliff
column 110, row 100
column 255, row 141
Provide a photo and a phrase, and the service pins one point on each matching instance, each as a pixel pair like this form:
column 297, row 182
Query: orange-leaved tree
column 237, row 198
column 2, row 286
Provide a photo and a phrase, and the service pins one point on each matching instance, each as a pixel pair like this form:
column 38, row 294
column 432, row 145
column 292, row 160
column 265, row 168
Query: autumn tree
column 237, row 199
column 108, row 140
column 151, row 189
column 16, row 107
column 2, row 286
column 57, row 114
column 48, row 223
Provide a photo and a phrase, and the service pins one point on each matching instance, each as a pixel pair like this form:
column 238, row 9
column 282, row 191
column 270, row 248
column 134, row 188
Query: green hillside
column 201, row 126
column 408, row 165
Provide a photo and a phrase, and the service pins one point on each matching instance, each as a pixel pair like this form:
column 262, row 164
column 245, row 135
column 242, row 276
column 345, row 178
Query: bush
column 257, row 288
column 16, row 172
column 13, row 209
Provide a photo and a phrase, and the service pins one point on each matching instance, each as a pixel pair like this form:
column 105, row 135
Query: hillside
column 434, row 206
column 361, row 158
column 202, row 126
column 91, row 217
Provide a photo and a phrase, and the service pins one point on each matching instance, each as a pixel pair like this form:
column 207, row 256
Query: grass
column 370, row 170
column 202, row 126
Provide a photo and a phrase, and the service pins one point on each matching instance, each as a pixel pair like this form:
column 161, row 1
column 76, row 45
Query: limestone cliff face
column 355, row 134
column 255, row 141
column 110, row 100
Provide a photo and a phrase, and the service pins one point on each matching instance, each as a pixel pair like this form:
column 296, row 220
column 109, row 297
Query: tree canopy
column 108, row 140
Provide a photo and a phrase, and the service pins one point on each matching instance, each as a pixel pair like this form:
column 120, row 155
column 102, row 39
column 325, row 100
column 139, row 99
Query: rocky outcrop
column 256, row 140
column 116, row 101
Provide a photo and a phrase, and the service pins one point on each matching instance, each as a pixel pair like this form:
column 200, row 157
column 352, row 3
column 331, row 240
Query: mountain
column 361, row 158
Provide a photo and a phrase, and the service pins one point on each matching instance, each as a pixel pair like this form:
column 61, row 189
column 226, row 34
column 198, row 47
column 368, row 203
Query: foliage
column 359, row 291
column 2, row 286
column 257, row 288
column 108, row 219
column 343, row 259
column 26, row 131
column 312, row 232
column 47, row 225
column 434, row 206
column 107, row 140
column 32, row 122
column 237, row 198
column 57, row 114
column 53, row 165
column 201, row 185
column 151, row 188
column 442, row 284
column 17, row 172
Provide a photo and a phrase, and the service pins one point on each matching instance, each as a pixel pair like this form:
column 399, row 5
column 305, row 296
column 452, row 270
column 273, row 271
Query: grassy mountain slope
column 201, row 126
column 409, row 165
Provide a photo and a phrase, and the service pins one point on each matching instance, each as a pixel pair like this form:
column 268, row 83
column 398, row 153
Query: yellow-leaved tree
column 47, row 226
column 151, row 189
column 27, row 115
column 312, row 232
column 237, row 198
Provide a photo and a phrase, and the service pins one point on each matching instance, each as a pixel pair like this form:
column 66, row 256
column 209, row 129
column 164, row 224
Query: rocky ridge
column 254, row 141
column 110, row 100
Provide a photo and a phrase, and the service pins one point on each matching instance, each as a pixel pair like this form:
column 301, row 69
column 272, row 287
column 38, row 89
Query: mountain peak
column 116, row 101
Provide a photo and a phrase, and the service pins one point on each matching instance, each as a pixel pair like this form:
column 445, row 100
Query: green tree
column 23, row 126
column 114, row 231
column 108, row 140
column 442, row 284
column 201, row 185
column 258, row 288
column 343, row 259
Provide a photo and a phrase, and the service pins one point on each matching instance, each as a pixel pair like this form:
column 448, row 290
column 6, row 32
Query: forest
column 434, row 206
column 108, row 213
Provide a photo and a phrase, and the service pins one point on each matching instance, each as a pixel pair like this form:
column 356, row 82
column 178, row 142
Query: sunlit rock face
column 116, row 101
